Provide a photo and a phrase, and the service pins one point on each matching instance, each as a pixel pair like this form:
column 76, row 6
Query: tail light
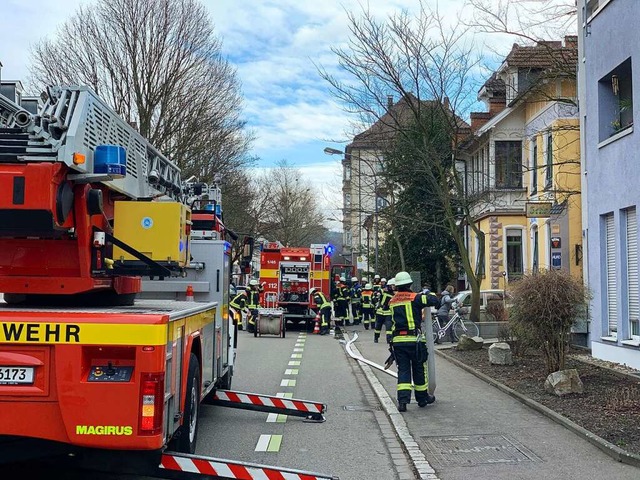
column 151, row 403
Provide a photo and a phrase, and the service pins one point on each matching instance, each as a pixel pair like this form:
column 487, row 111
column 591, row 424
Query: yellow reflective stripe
column 269, row 273
column 83, row 333
column 421, row 388
column 404, row 386
column 405, row 339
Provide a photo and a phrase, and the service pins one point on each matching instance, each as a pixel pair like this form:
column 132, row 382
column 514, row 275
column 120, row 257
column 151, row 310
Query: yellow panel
column 157, row 229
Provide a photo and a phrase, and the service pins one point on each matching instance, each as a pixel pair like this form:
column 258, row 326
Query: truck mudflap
column 310, row 410
column 183, row 467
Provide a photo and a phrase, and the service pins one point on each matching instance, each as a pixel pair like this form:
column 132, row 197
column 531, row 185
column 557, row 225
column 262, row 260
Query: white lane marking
column 263, row 443
column 298, row 349
column 294, row 363
column 296, row 355
column 291, row 371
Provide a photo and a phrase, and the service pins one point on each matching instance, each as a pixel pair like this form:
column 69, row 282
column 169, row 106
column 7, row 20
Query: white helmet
column 342, row 279
column 368, row 286
column 313, row 290
column 403, row 278
column 376, row 277
column 383, row 280
column 391, row 282
column 354, row 279
column 253, row 282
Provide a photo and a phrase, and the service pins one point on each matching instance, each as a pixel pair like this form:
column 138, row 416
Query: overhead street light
column 335, row 151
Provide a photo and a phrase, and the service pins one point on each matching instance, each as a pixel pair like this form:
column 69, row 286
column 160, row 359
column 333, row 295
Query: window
column 534, row 166
column 347, row 172
column 509, row 164
column 632, row 273
column 483, row 171
column 514, row 252
column 610, row 269
column 347, row 239
column 347, row 200
column 548, row 181
column 615, row 101
column 480, row 249
column 535, row 257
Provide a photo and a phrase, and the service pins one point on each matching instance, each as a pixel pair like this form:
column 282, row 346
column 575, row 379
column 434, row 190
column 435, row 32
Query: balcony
column 502, row 200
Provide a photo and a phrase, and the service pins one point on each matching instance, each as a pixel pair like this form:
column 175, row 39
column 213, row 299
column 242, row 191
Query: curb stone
column 420, row 464
column 609, row 448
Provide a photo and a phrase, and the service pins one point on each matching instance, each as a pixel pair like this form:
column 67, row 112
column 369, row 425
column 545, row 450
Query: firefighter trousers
column 253, row 318
column 409, row 368
column 355, row 312
column 341, row 306
column 367, row 317
column 382, row 320
column 325, row 320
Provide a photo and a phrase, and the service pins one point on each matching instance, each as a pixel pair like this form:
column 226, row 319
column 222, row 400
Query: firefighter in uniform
column 383, row 313
column 253, row 304
column 237, row 304
column 367, row 305
column 324, row 309
column 356, row 300
column 341, row 302
column 410, row 353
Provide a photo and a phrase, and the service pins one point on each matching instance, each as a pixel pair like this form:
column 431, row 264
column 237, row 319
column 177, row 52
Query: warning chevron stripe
column 265, row 400
column 226, row 469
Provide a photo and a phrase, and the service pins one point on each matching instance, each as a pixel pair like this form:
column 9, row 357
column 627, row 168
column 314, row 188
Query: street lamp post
column 334, row 151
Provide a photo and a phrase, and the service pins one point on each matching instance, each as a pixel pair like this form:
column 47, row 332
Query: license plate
column 16, row 375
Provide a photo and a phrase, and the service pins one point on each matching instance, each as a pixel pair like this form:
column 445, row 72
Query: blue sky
column 274, row 45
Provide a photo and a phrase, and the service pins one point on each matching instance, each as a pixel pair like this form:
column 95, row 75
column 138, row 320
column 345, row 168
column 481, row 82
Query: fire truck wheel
column 188, row 432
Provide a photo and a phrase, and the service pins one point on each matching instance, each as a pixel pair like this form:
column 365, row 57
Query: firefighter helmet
column 391, row 282
column 403, row 278
column 342, row 279
column 253, row 282
column 313, row 290
column 383, row 280
column 376, row 277
column 368, row 286
column 354, row 279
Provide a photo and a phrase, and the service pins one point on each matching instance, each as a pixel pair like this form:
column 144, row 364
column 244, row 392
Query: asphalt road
column 349, row 444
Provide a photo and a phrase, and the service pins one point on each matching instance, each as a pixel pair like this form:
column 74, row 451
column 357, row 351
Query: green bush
column 545, row 306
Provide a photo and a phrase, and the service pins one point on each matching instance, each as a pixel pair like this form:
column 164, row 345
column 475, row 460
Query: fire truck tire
column 188, row 432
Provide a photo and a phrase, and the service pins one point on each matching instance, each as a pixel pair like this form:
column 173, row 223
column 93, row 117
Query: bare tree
column 287, row 208
column 429, row 66
column 158, row 64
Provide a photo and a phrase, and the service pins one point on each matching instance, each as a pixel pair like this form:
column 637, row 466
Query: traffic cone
column 316, row 328
column 189, row 295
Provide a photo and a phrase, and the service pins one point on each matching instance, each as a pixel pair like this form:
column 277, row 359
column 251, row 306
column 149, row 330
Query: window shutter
column 632, row 266
column 612, row 287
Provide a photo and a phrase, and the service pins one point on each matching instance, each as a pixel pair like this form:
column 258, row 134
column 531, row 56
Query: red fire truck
column 289, row 273
column 87, row 209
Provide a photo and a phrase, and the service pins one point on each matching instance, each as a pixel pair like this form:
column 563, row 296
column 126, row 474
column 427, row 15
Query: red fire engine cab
column 289, row 273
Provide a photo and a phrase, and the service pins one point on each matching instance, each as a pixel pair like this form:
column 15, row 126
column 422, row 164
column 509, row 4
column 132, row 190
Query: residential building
column 522, row 166
column 609, row 77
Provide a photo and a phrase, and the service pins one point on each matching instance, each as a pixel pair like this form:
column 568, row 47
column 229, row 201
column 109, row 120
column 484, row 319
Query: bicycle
column 459, row 325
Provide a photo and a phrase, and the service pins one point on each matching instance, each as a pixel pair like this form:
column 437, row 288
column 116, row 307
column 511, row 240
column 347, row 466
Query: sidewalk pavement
column 474, row 430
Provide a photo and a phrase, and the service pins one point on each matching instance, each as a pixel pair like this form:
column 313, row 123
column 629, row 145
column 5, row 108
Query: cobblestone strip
column 419, row 464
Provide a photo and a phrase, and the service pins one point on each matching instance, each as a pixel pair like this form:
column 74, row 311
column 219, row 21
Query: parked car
column 486, row 298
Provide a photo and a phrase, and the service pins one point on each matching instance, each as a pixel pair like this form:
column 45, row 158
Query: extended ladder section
column 182, row 466
column 311, row 411
column 72, row 123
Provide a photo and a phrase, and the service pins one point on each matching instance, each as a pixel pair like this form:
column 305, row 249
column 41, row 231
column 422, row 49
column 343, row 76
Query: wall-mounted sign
column 556, row 260
column 556, row 242
column 538, row 209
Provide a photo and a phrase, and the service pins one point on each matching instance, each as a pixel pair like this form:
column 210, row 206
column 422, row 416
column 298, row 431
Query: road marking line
column 288, row 383
column 299, row 344
column 276, row 418
column 274, row 443
column 284, row 395
column 296, row 355
column 294, row 363
column 291, row 371
column 263, row 443
column 298, row 349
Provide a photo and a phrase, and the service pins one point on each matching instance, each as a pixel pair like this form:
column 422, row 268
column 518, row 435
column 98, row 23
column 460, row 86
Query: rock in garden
column 470, row 343
column 563, row 382
column 500, row 354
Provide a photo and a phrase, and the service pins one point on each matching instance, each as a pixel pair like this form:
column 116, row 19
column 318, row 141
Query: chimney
column 571, row 41
column 497, row 104
column 478, row 119
column 445, row 102
column 389, row 101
